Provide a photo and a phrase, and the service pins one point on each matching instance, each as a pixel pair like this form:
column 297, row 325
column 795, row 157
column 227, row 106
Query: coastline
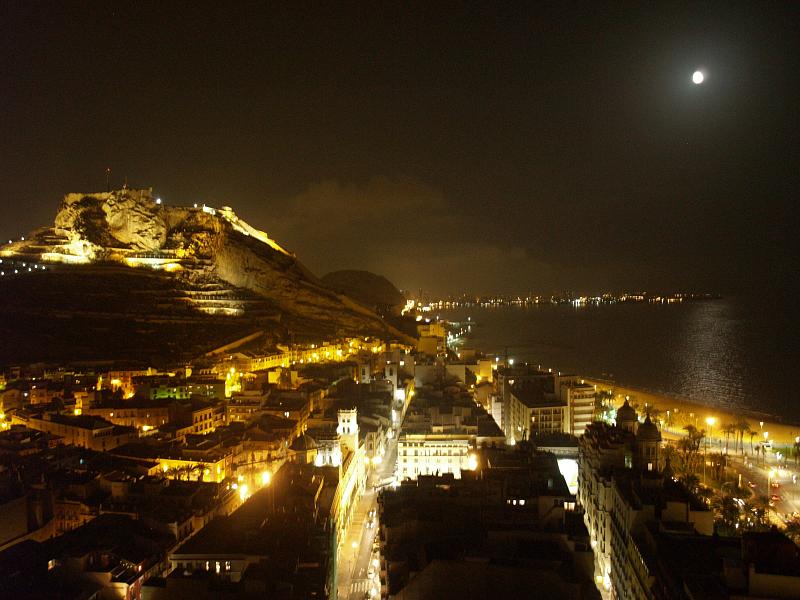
column 684, row 412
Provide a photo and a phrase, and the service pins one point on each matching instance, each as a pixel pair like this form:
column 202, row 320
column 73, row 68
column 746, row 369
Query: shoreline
column 684, row 411
column 782, row 429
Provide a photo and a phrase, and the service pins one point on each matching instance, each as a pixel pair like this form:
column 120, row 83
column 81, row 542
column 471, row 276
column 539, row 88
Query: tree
column 761, row 510
column 742, row 427
column 687, row 451
column 603, row 398
column 729, row 430
column 792, row 530
column 176, row 472
column 718, row 463
column 796, row 449
column 197, row 468
column 604, row 404
column 752, row 433
column 652, row 411
column 727, row 512
column 705, row 493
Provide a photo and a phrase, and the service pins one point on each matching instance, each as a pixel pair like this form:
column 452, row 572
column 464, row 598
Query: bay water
column 735, row 352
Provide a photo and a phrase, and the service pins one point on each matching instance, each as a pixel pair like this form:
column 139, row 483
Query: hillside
column 143, row 280
column 369, row 289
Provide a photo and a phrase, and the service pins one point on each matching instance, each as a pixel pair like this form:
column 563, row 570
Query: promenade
column 684, row 412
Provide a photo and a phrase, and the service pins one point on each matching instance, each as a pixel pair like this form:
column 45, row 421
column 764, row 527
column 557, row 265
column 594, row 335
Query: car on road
column 775, row 498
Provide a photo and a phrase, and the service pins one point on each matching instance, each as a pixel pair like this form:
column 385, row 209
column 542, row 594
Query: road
column 356, row 553
column 771, row 480
column 756, row 471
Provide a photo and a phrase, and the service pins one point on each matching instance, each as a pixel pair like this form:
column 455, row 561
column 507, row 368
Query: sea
column 734, row 352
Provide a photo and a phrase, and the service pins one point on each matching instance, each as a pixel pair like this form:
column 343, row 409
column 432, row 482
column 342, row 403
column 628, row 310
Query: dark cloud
column 510, row 147
column 403, row 229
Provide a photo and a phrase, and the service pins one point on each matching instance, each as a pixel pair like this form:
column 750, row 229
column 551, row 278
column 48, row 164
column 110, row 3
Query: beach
column 684, row 412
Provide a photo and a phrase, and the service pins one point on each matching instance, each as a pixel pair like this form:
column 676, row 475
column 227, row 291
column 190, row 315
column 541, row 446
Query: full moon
column 698, row 77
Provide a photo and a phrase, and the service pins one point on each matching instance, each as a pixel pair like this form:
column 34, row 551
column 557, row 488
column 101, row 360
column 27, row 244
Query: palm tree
column 688, row 453
column 692, row 482
column 175, row 473
column 792, row 530
column 732, row 488
column 796, row 449
column 752, row 433
column 742, row 426
column 761, row 509
column 198, row 468
column 728, row 430
column 727, row 511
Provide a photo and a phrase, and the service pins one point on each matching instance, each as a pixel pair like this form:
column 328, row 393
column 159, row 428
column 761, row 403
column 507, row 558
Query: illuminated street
column 357, row 575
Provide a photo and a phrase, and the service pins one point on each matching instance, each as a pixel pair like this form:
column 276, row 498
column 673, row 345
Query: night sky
column 482, row 148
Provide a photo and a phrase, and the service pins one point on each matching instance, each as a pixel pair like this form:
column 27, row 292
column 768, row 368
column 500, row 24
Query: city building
column 579, row 397
column 532, row 411
column 440, row 432
column 109, row 557
column 515, row 416
column 503, row 532
column 286, row 523
column 140, row 414
column 89, row 432
column 623, row 489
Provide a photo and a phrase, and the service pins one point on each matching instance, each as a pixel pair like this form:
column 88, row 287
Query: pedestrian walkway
column 360, row 586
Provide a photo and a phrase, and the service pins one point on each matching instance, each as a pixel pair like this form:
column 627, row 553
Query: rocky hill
column 196, row 265
column 369, row 289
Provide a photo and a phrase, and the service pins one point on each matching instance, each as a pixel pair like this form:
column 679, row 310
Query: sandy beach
column 684, row 412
